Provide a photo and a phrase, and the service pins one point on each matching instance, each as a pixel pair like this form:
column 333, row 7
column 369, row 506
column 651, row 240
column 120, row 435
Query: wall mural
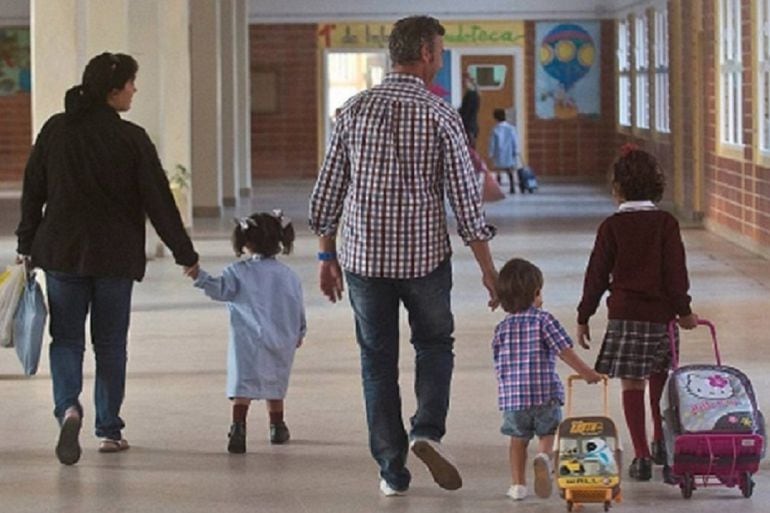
column 15, row 73
column 567, row 69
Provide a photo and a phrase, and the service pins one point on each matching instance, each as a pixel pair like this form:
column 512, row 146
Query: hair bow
column 245, row 222
column 278, row 214
column 628, row 148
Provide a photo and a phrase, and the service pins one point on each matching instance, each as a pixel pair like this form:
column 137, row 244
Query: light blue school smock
column 267, row 319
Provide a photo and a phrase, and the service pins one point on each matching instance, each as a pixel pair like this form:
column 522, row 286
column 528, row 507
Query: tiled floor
column 177, row 416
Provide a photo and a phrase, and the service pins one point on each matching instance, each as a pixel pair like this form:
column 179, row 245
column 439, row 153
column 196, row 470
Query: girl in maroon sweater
column 639, row 258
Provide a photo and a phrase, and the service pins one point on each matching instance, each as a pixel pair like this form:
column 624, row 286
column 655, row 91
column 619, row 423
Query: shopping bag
column 11, row 287
column 491, row 189
column 29, row 324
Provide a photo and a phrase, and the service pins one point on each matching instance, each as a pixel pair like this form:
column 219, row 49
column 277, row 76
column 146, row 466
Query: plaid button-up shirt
column 394, row 151
column 525, row 347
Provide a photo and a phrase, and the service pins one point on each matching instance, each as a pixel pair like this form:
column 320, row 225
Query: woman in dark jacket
column 91, row 181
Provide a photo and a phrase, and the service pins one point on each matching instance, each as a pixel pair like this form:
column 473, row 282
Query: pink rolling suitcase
column 713, row 429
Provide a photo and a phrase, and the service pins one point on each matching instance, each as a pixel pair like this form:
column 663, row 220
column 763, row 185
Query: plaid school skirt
column 635, row 349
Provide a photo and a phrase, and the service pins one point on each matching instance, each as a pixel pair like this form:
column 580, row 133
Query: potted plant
column 179, row 183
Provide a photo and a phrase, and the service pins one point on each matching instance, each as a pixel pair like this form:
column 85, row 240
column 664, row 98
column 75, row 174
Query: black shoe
column 640, row 469
column 237, row 438
column 658, row 452
column 279, row 433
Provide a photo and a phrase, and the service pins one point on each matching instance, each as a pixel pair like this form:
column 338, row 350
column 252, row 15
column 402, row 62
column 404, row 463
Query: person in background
column 395, row 153
column 90, row 182
column 503, row 147
column 470, row 105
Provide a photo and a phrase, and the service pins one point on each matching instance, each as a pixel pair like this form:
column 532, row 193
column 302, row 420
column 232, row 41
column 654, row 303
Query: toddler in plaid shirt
column 530, row 393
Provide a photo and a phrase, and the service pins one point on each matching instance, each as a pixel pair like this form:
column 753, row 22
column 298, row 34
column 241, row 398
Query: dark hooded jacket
column 91, row 181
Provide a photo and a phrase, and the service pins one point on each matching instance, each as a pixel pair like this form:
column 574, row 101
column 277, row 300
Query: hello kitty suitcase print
column 713, row 430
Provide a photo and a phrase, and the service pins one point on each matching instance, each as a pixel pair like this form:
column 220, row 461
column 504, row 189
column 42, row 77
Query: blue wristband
column 327, row 256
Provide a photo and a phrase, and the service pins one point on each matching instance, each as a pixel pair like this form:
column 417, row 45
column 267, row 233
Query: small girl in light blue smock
column 267, row 321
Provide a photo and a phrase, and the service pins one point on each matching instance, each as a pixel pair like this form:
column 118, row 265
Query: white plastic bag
column 11, row 287
column 29, row 324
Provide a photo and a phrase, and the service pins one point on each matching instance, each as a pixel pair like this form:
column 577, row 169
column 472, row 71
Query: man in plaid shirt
column 395, row 152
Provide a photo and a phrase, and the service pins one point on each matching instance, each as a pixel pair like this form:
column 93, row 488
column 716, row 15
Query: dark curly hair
column 517, row 284
column 409, row 34
column 637, row 176
column 262, row 235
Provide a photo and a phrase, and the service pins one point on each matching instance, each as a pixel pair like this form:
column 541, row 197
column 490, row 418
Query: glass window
column 641, row 67
column 662, row 121
column 730, row 72
column 763, row 72
column 624, row 74
column 488, row 77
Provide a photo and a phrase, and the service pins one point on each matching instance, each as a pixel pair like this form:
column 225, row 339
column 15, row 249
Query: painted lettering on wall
column 375, row 35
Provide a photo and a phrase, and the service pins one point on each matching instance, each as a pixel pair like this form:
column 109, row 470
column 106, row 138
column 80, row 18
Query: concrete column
column 144, row 39
column 106, row 23
column 174, row 95
column 65, row 35
column 230, row 142
column 54, row 38
column 206, row 124
column 243, row 98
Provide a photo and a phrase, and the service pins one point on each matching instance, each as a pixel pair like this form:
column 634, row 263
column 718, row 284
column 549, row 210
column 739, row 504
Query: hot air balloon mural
column 567, row 69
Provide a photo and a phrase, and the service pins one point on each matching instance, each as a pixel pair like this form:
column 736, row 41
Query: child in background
column 267, row 321
column 530, row 393
column 639, row 257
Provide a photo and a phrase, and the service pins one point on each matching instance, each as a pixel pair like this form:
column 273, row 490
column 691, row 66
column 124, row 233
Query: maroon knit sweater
column 639, row 257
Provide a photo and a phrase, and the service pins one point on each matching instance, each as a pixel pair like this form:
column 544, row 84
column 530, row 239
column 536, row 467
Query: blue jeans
column 375, row 303
column 69, row 299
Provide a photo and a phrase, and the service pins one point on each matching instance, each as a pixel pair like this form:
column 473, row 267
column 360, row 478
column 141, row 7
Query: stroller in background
column 713, row 428
column 588, row 455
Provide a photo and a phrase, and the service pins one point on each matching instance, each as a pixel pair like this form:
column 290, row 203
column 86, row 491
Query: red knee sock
column 657, row 382
column 633, row 407
column 239, row 412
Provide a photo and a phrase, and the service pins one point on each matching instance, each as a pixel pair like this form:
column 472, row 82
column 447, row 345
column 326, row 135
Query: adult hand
column 192, row 271
column 584, row 336
column 688, row 322
column 26, row 260
column 489, row 280
column 330, row 279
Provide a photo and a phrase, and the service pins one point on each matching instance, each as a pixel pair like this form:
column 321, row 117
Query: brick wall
column 15, row 136
column 575, row 147
column 737, row 190
column 729, row 189
column 284, row 143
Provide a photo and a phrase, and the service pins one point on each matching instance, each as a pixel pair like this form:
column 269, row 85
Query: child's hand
column 688, row 322
column 592, row 377
column 584, row 336
column 192, row 271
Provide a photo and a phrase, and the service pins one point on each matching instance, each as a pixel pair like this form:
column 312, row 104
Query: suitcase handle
column 578, row 377
column 672, row 341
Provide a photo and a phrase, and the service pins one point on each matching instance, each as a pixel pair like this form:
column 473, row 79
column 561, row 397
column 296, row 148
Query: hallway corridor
column 177, row 416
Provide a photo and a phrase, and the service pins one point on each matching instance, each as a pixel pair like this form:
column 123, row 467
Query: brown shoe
column 68, row 446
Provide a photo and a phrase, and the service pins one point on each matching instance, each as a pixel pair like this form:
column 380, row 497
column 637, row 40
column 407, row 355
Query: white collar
column 632, row 206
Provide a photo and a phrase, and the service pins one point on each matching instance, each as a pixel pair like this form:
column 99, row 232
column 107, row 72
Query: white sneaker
column 543, row 476
column 517, row 492
column 389, row 491
column 444, row 472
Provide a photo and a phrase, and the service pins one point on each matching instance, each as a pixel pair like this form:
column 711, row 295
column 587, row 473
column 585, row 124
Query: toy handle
column 577, row 377
column 672, row 341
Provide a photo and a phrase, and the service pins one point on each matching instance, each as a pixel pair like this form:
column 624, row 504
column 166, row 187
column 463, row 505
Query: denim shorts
column 542, row 420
